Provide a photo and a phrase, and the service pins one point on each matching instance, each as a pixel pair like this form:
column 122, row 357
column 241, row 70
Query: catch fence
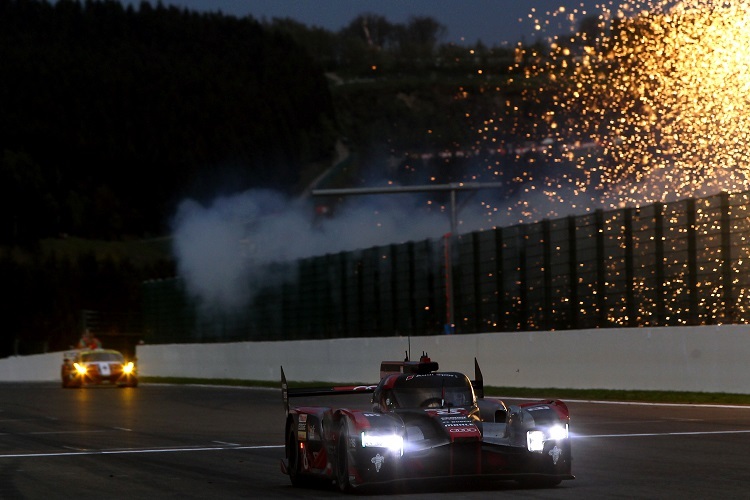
column 664, row 264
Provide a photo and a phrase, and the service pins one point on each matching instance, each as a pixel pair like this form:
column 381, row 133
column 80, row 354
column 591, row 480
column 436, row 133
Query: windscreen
column 90, row 357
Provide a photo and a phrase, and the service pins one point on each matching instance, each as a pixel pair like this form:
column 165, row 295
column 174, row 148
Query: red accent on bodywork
column 359, row 419
column 558, row 406
column 561, row 409
column 363, row 388
column 320, row 459
column 390, row 381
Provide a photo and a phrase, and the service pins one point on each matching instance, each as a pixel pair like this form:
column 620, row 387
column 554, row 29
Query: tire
column 68, row 384
column 342, row 458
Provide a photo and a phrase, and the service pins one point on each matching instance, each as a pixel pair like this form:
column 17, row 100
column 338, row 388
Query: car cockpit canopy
column 407, row 384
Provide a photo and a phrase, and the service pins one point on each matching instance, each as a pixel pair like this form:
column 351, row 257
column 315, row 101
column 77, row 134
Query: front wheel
column 342, row 458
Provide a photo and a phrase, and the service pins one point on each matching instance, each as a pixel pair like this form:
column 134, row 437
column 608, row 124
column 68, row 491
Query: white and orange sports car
column 97, row 366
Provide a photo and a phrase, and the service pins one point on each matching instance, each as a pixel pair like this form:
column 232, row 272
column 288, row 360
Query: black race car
column 424, row 424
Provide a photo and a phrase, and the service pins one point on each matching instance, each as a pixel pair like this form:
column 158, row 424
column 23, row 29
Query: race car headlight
column 392, row 442
column 535, row 439
column 81, row 369
column 557, row 432
column 128, row 368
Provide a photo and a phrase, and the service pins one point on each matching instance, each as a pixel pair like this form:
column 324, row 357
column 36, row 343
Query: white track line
column 627, row 403
column 264, row 447
column 655, row 434
column 134, row 451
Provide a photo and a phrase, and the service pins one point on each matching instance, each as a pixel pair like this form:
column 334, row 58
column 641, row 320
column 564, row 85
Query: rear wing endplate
column 478, row 381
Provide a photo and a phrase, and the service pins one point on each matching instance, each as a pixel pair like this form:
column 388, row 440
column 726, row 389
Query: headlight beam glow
column 392, row 442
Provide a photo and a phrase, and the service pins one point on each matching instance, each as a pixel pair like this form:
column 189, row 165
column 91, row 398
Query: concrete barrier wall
column 711, row 359
column 35, row 368
column 705, row 359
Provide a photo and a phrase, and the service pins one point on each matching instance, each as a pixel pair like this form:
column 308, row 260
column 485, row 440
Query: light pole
column 452, row 188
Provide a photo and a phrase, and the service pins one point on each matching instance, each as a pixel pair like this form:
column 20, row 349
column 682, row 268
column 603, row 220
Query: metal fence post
column 692, row 264
column 601, row 271
column 726, row 259
column 549, row 323
column 573, row 272
column 659, row 264
column 477, row 285
column 499, row 279
column 630, row 308
column 523, row 296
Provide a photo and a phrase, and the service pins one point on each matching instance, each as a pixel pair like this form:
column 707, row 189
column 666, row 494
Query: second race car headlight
column 81, row 369
column 535, row 439
column 128, row 368
column 558, row 432
column 392, row 442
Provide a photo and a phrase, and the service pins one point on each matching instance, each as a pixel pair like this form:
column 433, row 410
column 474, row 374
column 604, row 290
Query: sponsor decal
column 378, row 461
column 447, row 375
column 456, row 430
column 449, row 411
column 536, row 408
column 555, row 454
column 302, row 427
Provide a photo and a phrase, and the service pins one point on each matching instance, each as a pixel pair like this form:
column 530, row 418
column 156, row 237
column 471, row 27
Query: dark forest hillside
column 111, row 114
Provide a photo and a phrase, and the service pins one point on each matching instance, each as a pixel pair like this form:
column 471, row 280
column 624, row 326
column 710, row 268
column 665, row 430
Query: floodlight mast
column 452, row 188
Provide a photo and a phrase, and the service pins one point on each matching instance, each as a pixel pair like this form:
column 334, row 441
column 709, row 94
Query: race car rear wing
column 299, row 392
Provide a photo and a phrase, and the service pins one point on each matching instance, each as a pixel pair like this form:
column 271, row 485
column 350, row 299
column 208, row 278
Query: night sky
column 494, row 22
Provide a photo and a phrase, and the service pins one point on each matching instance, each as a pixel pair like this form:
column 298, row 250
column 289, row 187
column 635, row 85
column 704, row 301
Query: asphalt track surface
column 162, row 441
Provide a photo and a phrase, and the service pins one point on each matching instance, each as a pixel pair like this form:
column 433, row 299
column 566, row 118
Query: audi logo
column 462, row 429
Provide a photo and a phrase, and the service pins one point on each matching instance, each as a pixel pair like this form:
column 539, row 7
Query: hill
column 111, row 114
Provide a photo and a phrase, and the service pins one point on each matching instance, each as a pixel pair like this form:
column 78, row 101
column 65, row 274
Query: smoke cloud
column 224, row 250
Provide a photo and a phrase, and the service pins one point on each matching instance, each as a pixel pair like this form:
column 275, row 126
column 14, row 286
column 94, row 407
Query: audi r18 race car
column 424, row 424
column 97, row 366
